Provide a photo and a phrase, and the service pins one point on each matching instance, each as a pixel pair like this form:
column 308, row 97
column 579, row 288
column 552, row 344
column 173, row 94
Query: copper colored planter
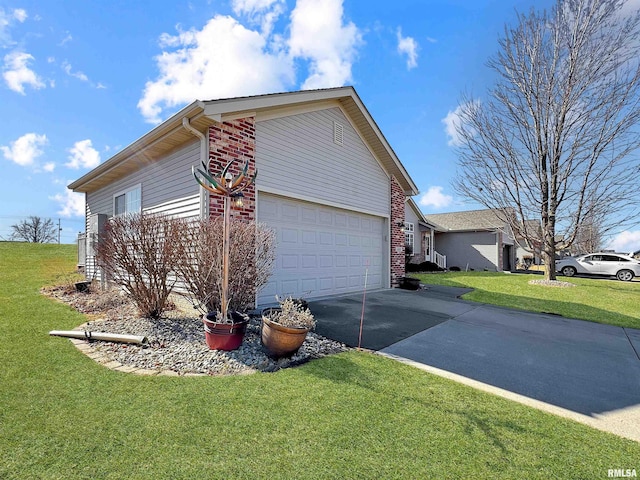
column 281, row 341
column 224, row 336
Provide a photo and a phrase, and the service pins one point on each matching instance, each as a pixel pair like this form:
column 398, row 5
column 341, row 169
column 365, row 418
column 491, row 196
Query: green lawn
column 354, row 415
column 597, row 300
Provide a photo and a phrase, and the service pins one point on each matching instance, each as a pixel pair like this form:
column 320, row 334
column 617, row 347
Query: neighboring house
column 474, row 239
column 328, row 183
column 529, row 252
column 419, row 235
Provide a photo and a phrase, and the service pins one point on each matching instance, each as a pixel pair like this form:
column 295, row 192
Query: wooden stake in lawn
column 364, row 295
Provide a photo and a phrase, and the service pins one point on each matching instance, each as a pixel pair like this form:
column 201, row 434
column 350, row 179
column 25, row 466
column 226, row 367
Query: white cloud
column 83, row 155
column 71, row 203
column 451, row 123
column 252, row 6
column 20, row 14
column 227, row 59
column 626, row 241
column 66, row 39
column 435, row 198
column 6, row 20
column 319, row 34
column 409, row 47
column 17, row 74
column 66, row 66
column 262, row 12
column 25, row 150
column 224, row 59
column 49, row 167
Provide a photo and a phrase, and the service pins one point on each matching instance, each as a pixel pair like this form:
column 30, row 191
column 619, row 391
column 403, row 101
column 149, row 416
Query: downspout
column 204, row 158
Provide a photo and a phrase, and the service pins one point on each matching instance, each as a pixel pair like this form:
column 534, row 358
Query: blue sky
column 81, row 80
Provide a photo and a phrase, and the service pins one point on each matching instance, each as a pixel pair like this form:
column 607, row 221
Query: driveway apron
column 583, row 367
column 389, row 315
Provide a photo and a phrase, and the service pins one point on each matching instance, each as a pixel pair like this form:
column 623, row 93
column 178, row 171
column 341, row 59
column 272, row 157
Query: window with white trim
column 408, row 235
column 427, row 243
column 129, row 201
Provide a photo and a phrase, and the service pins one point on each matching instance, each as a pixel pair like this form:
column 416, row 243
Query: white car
column 622, row 266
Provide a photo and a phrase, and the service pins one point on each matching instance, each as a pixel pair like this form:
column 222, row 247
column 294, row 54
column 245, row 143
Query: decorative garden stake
column 229, row 186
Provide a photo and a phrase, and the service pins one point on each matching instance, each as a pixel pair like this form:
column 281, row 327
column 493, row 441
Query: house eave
column 170, row 134
column 150, row 147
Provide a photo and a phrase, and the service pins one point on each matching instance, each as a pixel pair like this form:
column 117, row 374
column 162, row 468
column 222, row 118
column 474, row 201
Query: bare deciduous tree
column 139, row 252
column 251, row 260
column 557, row 136
column 35, row 230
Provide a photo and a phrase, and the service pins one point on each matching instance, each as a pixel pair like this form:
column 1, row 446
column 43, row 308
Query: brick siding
column 397, row 233
column 233, row 140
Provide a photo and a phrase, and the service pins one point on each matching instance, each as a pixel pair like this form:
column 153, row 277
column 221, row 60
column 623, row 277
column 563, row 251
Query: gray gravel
column 178, row 344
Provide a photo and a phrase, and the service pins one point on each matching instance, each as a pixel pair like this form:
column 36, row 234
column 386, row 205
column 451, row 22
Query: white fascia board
column 246, row 104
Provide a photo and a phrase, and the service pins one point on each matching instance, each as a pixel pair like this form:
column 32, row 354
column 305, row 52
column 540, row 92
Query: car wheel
column 568, row 271
column 624, row 275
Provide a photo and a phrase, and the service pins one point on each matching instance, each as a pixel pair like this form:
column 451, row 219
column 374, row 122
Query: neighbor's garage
column 321, row 250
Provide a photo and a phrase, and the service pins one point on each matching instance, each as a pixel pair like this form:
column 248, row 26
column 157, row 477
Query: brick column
column 233, row 140
column 397, row 234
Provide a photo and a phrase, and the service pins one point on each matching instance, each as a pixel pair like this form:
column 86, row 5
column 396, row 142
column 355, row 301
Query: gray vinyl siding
column 411, row 217
column 167, row 186
column 478, row 250
column 296, row 154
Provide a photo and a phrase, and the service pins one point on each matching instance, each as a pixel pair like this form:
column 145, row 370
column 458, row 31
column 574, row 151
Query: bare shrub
column 139, row 252
column 251, row 258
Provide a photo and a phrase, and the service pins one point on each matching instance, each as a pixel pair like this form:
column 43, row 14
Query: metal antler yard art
column 229, row 186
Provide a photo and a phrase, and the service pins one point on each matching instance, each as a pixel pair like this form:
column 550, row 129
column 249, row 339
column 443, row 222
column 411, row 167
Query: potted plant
column 251, row 257
column 284, row 329
column 224, row 334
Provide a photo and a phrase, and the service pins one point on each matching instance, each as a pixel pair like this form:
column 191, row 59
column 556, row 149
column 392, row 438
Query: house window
column 427, row 243
column 408, row 235
column 128, row 201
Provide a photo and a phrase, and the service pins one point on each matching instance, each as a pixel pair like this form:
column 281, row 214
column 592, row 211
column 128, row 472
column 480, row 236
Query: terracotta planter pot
column 224, row 336
column 281, row 341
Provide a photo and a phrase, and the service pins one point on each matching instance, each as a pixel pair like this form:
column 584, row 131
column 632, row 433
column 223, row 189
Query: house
column 528, row 252
column 328, row 183
column 419, row 236
column 474, row 239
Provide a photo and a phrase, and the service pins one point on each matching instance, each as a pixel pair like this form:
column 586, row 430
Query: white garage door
column 321, row 250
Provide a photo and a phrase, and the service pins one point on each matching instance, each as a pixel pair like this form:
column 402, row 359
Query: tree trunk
column 549, row 255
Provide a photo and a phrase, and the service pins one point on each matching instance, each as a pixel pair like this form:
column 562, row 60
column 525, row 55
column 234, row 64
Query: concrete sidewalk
column 581, row 370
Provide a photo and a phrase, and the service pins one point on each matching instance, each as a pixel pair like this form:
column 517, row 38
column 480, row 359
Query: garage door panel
column 321, row 250
column 309, row 215
column 308, row 237
column 325, row 284
column 325, row 238
column 288, row 235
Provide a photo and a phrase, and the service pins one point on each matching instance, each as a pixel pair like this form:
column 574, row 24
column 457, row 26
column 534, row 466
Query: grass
column 354, row 415
column 597, row 300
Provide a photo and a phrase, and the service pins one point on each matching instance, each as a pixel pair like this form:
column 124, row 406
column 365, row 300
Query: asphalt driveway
column 581, row 366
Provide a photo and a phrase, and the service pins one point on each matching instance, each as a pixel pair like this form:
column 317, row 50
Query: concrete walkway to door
column 582, row 370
